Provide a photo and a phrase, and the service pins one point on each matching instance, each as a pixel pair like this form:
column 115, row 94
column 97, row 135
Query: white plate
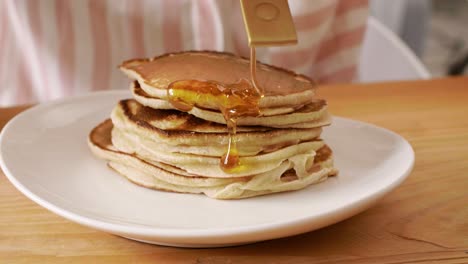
column 45, row 155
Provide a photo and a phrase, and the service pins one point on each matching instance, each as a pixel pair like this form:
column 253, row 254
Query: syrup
column 233, row 100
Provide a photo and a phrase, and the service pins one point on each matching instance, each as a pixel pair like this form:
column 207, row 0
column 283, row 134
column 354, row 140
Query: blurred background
column 435, row 30
column 401, row 40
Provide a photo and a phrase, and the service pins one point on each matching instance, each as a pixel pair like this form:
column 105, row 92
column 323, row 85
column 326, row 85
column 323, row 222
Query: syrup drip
column 253, row 71
column 233, row 100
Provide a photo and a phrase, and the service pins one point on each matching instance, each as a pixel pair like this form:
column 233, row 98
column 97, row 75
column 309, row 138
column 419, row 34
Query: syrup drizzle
column 253, row 71
column 234, row 100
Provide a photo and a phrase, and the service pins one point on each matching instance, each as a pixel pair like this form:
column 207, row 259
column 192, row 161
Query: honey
column 253, row 71
column 234, row 100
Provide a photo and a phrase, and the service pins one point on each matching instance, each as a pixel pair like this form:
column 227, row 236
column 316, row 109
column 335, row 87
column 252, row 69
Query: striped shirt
column 55, row 48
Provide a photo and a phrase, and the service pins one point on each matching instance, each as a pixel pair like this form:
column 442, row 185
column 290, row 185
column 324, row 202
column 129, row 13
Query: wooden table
column 425, row 220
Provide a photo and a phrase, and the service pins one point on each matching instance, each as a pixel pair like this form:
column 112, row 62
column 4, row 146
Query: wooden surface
column 425, row 220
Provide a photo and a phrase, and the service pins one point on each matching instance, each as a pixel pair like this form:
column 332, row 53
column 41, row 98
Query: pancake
column 155, row 145
column 157, row 103
column 281, row 87
column 210, row 166
column 175, row 131
column 283, row 178
column 313, row 114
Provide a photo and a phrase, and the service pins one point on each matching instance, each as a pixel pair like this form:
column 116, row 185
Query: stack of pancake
column 157, row 146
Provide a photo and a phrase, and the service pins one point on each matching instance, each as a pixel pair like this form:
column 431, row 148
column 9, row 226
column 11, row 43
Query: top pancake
column 281, row 87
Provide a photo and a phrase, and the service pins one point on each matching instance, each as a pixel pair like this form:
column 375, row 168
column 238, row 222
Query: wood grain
column 425, row 220
column 8, row 113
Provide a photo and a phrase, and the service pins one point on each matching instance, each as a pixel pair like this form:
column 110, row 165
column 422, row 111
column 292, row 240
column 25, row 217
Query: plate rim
column 192, row 233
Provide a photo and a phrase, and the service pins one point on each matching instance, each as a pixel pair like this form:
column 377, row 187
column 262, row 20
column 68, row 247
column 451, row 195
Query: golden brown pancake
column 281, row 87
column 156, row 176
column 181, row 132
column 155, row 145
column 313, row 114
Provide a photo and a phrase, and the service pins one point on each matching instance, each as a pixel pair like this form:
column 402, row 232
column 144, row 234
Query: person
column 55, row 48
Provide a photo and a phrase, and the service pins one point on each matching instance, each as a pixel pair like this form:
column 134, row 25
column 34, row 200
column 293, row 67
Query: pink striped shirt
column 55, row 48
